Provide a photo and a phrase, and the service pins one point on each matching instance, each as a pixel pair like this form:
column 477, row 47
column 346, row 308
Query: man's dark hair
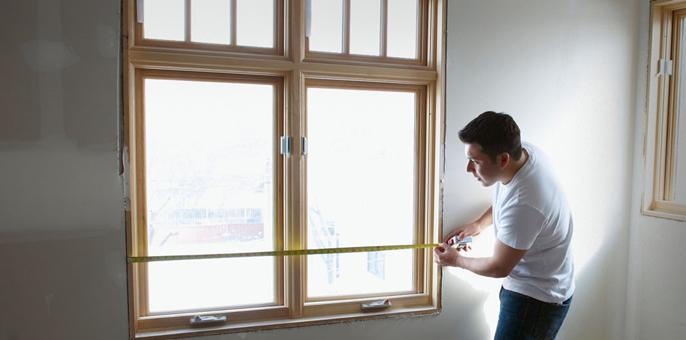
column 496, row 133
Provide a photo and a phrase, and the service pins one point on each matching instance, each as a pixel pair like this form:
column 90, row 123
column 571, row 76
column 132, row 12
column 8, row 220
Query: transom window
column 244, row 134
column 388, row 30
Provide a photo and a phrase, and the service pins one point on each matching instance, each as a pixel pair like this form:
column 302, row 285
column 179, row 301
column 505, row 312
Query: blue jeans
column 523, row 317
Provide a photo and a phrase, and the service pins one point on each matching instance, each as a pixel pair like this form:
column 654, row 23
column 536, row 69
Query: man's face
column 480, row 165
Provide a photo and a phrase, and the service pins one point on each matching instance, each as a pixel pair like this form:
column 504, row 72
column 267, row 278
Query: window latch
column 207, row 320
column 286, row 144
column 375, row 306
column 303, row 146
column 664, row 67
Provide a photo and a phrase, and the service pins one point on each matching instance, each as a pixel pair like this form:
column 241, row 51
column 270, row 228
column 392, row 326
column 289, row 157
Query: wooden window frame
column 421, row 258
column 425, row 24
column 290, row 70
column 659, row 137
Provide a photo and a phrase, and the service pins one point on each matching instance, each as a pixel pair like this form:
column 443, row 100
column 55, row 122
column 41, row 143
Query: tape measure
column 296, row 252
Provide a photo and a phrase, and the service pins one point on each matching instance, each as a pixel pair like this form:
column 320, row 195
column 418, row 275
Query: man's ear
column 504, row 159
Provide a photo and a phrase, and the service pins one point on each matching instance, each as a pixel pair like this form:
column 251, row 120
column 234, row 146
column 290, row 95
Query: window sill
column 287, row 323
column 664, row 209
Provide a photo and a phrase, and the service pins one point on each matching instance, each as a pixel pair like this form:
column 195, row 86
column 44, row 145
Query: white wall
column 656, row 302
column 564, row 69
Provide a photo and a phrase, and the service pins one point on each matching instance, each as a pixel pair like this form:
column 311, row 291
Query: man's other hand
column 446, row 255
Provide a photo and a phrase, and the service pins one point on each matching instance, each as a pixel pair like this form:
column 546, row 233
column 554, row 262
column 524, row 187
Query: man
column 533, row 228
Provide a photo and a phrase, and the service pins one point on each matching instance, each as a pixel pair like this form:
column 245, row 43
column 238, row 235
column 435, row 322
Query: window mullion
column 346, row 27
column 296, row 204
column 187, row 20
column 232, row 4
column 384, row 28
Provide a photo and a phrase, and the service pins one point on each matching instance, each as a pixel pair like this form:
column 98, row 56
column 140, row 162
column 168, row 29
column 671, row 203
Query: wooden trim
column 438, row 145
column 350, row 306
column 296, row 238
column 209, row 62
column 286, row 323
column 296, row 35
column 181, row 320
column 326, row 57
column 279, row 179
column 279, row 27
column 673, row 110
column 668, row 4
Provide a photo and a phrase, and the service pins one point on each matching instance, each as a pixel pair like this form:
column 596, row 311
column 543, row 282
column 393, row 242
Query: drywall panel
column 62, row 269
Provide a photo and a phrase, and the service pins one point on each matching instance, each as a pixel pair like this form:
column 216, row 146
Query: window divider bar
column 187, row 21
column 384, row 28
column 346, row 27
column 233, row 24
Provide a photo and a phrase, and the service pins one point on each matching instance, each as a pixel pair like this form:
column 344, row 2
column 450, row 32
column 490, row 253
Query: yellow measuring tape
column 141, row 259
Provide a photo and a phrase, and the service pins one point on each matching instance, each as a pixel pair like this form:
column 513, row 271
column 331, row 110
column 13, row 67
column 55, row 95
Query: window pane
column 365, row 27
column 360, row 184
column 255, row 23
column 360, row 273
column 210, row 21
column 402, row 28
column 196, row 284
column 209, row 181
column 679, row 162
column 326, row 26
column 164, row 19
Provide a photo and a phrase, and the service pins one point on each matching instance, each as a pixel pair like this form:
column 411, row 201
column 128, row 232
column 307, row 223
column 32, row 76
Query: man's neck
column 514, row 167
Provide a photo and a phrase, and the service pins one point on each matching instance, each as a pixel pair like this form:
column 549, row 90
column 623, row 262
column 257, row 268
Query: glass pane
column 360, row 273
column 365, row 27
column 326, row 26
column 679, row 171
column 203, row 284
column 255, row 23
column 402, row 28
column 360, row 184
column 209, row 179
column 164, row 19
column 210, row 21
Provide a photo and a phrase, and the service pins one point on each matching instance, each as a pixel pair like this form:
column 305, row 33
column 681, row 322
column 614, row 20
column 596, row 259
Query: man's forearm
column 485, row 266
column 486, row 219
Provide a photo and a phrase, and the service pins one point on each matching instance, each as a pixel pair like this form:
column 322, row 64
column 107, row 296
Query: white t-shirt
column 531, row 212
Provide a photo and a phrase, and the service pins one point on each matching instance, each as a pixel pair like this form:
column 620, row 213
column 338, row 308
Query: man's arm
column 499, row 265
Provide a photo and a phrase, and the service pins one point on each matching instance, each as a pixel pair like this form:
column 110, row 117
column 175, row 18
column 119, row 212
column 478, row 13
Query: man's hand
column 471, row 229
column 474, row 228
column 446, row 255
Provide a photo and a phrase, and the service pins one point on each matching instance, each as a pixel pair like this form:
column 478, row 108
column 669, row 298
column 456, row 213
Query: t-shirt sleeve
column 519, row 225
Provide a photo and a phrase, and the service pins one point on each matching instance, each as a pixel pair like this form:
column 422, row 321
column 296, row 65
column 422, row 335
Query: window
column 388, row 31
column 665, row 144
column 249, row 128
